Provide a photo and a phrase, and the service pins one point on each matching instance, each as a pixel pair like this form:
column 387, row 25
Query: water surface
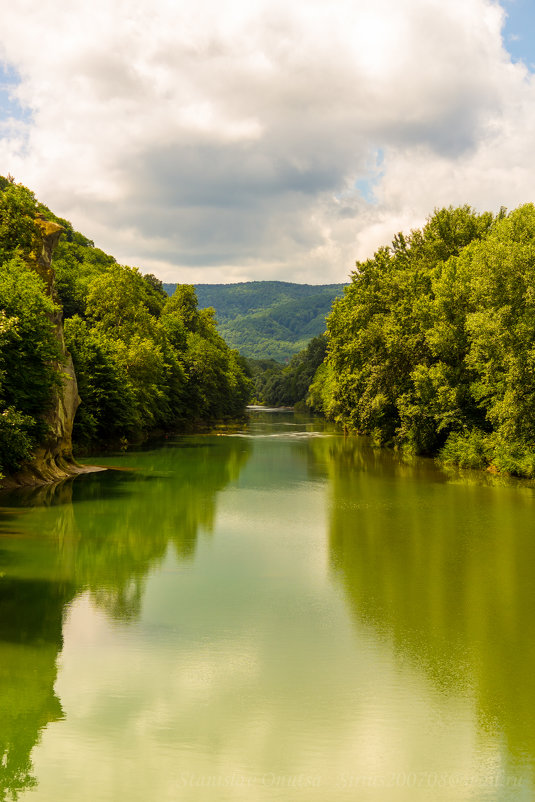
column 275, row 614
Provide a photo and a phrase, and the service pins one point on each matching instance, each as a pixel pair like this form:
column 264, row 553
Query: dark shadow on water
column 30, row 610
column 31, row 617
column 111, row 481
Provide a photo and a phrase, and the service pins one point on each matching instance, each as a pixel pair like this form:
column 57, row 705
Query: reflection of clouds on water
column 248, row 665
column 96, row 537
column 336, row 623
column 284, row 691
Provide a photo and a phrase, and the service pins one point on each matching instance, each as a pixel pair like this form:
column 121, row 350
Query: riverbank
column 34, row 476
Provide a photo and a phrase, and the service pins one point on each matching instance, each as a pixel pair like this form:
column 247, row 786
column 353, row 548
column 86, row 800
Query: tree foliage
column 143, row 361
column 432, row 346
column 28, row 348
column 268, row 319
column 287, row 386
column 146, row 361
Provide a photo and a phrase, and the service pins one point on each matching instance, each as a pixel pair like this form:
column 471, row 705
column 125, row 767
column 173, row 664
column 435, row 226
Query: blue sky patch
column 9, row 105
column 366, row 188
column 366, row 185
column 519, row 31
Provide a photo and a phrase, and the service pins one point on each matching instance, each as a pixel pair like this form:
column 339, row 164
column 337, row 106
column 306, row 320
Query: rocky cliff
column 53, row 459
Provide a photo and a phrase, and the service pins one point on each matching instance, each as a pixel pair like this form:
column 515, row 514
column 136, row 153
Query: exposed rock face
column 53, row 458
column 41, row 256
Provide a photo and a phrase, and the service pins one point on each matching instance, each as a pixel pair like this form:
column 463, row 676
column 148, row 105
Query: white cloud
column 223, row 143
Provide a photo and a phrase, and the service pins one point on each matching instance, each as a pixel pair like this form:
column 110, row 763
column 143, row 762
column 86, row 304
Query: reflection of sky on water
column 334, row 626
column 245, row 665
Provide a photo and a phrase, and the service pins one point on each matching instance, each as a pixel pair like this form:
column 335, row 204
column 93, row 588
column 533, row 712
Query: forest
column 432, row 347
column 279, row 385
column 268, row 320
column 144, row 361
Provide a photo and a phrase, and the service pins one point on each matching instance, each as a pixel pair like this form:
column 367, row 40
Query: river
column 278, row 613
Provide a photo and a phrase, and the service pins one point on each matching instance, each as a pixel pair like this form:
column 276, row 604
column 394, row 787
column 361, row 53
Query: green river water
column 280, row 613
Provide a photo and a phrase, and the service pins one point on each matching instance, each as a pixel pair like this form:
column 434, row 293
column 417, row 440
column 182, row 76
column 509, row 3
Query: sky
column 247, row 140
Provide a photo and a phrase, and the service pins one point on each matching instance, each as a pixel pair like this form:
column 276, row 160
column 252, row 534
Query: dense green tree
column 287, row 386
column 431, row 347
column 268, row 319
column 107, row 410
column 321, row 391
column 28, row 350
column 17, row 227
column 143, row 361
column 157, row 372
column 118, row 301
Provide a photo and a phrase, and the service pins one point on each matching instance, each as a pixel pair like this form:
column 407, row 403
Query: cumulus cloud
column 263, row 139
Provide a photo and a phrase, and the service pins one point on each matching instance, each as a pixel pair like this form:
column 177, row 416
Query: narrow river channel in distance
column 276, row 613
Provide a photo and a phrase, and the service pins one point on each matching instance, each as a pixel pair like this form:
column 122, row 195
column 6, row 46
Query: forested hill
column 141, row 361
column 268, row 319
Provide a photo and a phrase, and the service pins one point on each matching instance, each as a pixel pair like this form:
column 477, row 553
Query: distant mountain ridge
column 268, row 319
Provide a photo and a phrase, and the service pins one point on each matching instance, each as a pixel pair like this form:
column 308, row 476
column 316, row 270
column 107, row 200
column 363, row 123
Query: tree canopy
column 143, row 361
column 431, row 349
column 268, row 319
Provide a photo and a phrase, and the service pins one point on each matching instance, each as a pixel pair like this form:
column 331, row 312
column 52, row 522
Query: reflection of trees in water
column 133, row 517
column 106, row 542
column 445, row 572
column 34, row 592
column 30, row 639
